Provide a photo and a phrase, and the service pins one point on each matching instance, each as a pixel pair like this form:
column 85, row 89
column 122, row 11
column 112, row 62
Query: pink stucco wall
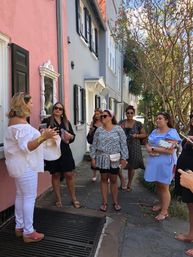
column 31, row 24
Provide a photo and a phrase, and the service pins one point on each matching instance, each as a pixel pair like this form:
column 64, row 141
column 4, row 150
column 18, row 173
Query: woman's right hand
column 49, row 133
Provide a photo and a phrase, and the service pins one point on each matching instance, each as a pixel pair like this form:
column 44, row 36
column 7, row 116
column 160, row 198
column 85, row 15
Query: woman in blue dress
column 161, row 161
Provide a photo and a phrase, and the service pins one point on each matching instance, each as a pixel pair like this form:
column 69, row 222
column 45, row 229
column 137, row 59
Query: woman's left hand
column 123, row 163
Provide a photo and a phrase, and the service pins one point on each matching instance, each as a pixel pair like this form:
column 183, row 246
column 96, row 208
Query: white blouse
column 18, row 157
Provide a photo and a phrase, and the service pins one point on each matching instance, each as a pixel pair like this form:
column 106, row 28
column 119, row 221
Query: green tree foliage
column 157, row 37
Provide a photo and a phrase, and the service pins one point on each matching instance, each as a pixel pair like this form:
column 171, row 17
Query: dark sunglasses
column 130, row 112
column 104, row 116
column 58, row 108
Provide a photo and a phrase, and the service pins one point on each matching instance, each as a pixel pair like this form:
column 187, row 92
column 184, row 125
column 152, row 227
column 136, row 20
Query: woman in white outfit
column 24, row 159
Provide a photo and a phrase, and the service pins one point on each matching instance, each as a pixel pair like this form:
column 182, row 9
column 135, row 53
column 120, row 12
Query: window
column 48, row 88
column 94, row 43
column 97, row 101
column 87, row 21
column 111, row 51
column 3, row 88
column 78, row 16
column 79, row 105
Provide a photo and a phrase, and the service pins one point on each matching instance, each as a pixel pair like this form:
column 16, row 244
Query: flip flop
column 189, row 252
column 103, row 207
column 124, row 188
column 161, row 217
column 76, row 204
column 116, row 207
column 59, row 204
column 129, row 189
column 156, row 208
column 183, row 238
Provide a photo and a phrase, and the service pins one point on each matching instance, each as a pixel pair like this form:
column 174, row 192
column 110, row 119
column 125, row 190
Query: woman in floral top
column 108, row 140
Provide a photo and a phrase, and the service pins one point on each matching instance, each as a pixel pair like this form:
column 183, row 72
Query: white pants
column 26, row 192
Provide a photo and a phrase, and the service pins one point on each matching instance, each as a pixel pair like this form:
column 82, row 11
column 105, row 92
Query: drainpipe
column 60, row 51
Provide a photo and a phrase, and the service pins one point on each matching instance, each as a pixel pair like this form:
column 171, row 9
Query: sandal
column 129, row 189
column 184, row 238
column 161, row 216
column 116, row 207
column 124, row 188
column 76, row 204
column 103, row 207
column 189, row 252
column 156, row 208
column 59, row 204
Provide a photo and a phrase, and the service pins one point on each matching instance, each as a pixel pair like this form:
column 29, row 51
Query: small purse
column 165, row 144
column 115, row 157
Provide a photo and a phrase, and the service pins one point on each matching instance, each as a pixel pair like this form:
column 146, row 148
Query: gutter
column 60, row 50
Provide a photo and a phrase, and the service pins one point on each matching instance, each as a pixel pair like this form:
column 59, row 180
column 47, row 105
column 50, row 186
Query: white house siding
column 86, row 66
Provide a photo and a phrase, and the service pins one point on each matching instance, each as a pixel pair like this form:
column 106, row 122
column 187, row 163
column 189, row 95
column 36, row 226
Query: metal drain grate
column 67, row 235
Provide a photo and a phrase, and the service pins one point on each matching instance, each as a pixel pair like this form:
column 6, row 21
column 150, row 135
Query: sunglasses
column 58, row 108
column 130, row 112
column 104, row 116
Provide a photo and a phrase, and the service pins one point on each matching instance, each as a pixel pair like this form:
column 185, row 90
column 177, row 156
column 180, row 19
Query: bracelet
column 41, row 139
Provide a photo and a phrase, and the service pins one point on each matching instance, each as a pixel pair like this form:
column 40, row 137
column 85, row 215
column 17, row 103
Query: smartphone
column 187, row 138
column 43, row 126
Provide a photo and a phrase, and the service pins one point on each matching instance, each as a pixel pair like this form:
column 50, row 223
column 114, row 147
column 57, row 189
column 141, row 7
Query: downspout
column 60, row 51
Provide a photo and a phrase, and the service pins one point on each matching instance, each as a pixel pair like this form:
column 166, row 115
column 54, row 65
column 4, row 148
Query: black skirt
column 185, row 162
column 64, row 164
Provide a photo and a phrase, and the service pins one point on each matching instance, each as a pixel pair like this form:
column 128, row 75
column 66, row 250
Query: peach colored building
column 33, row 58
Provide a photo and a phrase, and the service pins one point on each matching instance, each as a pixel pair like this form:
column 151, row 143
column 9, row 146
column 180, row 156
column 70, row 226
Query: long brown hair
column 64, row 117
column 18, row 105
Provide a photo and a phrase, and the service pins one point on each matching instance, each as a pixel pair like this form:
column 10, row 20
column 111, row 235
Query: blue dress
column 159, row 168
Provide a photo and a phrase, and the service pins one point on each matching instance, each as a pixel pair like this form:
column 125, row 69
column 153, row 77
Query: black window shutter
column 99, row 102
column 20, row 69
column 86, row 23
column 96, row 102
column 78, row 16
column 75, row 104
column 90, row 33
column 83, row 94
column 96, row 42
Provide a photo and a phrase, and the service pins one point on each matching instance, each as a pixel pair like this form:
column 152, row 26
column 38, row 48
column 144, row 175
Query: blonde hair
column 18, row 106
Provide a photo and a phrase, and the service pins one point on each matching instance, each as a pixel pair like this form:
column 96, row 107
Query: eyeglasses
column 130, row 113
column 58, row 108
column 104, row 116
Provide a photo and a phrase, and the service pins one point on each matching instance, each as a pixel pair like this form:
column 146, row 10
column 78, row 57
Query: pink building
column 33, row 58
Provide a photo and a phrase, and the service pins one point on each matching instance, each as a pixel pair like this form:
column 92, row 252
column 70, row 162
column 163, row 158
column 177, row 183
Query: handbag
column 51, row 148
column 115, row 157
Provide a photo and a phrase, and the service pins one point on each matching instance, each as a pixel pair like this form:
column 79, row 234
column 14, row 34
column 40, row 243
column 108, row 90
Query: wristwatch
column 152, row 149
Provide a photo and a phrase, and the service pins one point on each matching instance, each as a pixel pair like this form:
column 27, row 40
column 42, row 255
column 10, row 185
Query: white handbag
column 165, row 144
column 51, row 148
column 115, row 157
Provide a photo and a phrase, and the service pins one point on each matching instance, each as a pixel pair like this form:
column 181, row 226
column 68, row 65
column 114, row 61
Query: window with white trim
column 111, row 51
column 79, row 105
column 4, row 95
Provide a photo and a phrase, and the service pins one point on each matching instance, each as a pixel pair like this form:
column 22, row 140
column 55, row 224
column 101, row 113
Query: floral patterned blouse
column 106, row 143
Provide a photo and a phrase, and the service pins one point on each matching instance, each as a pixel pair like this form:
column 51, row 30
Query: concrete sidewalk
column 133, row 232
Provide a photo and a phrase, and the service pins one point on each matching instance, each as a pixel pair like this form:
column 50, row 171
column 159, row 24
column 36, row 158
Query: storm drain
column 66, row 235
